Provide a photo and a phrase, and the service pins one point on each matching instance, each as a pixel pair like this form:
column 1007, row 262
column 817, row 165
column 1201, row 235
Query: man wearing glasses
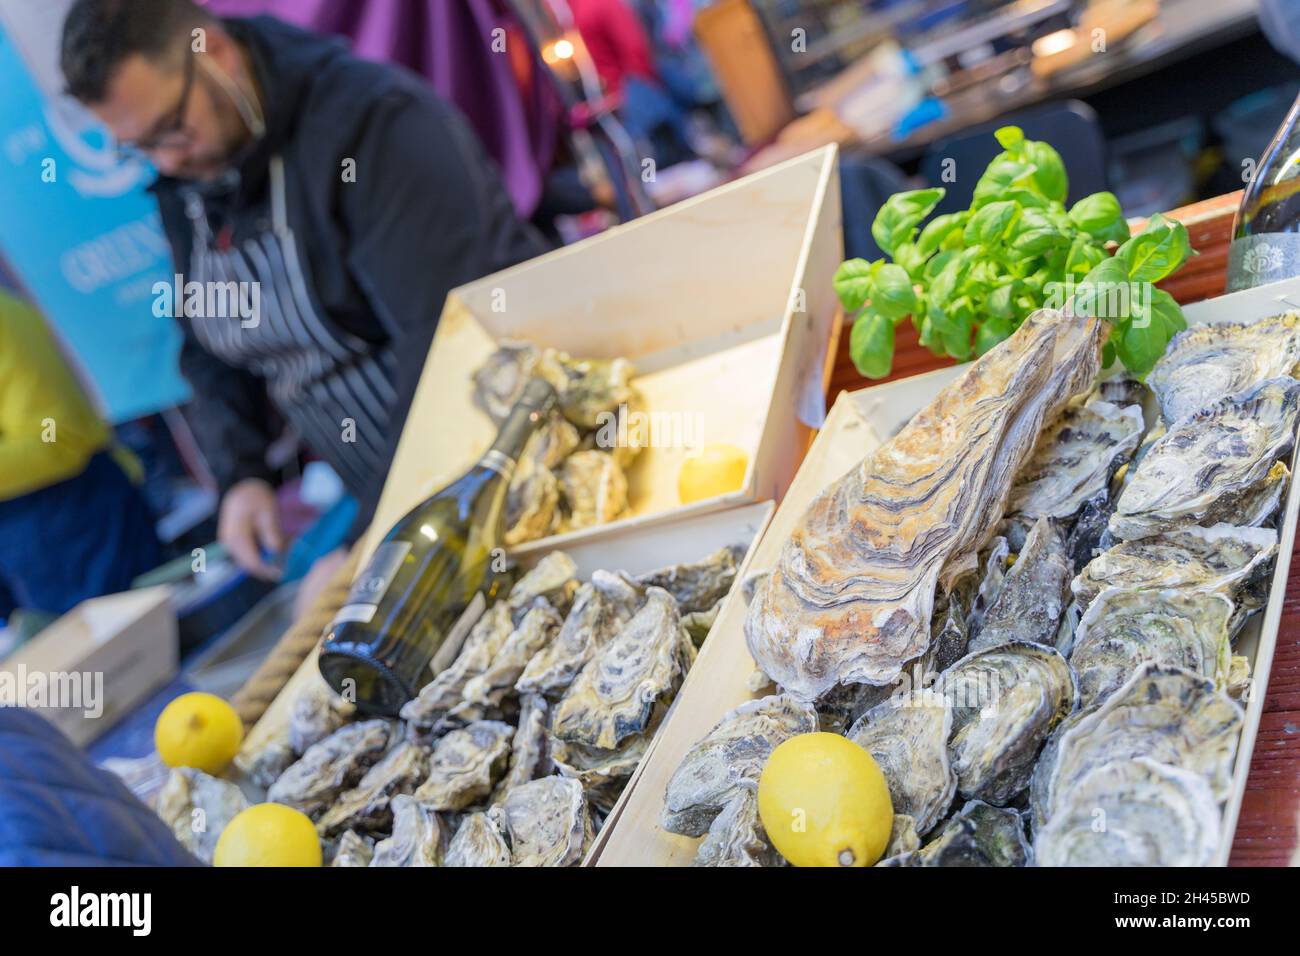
column 344, row 191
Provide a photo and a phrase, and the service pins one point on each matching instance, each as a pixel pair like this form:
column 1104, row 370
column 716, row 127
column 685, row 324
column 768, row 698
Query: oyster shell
column 417, row 838
column 500, row 380
column 465, row 765
column 852, row 593
column 554, row 578
column 1085, row 540
column 729, row 759
column 903, row 837
column 1222, row 558
column 1207, row 363
column 908, row 737
column 1005, row 701
column 197, row 808
column 264, row 765
column 317, row 712
column 331, row 766
column 547, row 822
column 594, row 619
column 994, row 572
column 534, row 632
column 1207, row 462
column 1125, row 628
column 699, row 623
column 623, row 434
column 700, row 585
column 353, row 849
column 367, row 805
column 737, row 838
column 478, row 842
column 978, row 835
column 616, row 693
column 593, row 389
column 1075, row 459
column 594, row 489
column 1033, row 594
column 532, row 503
column 1171, row 715
column 528, row 747
column 602, row 773
column 1153, row 814
column 447, row 688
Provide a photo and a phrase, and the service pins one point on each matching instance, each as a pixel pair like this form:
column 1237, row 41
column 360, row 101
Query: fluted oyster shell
column 331, row 766
column 532, row 503
column 197, row 808
column 465, row 765
column 602, row 773
column 1153, row 815
column 1124, row 628
column 1222, row 558
column 698, row 585
column 528, row 746
column 1207, row 363
column 729, row 759
column 908, row 737
column 1005, row 701
column 447, row 688
column 737, row 838
column 616, row 693
column 1033, row 594
column 852, row 593
column 317, row 712
column 500, row 380
column 478, row 842
column 367, row 805
column 592, row 389
column 1207, row 462
column 1168, row 714
column 1075, row 459
column 978, row 835
column 554, row 577
column 547, row 822
column 418, row 837
column 535, row 631
column 601, row 607
column 353, row 850
column 594, row 489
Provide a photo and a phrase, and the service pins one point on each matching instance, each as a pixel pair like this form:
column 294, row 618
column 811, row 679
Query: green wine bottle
column 1266, row 233
column 425, row 574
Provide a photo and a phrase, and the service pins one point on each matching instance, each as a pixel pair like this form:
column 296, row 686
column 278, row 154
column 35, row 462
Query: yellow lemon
column 268, row 834
column 713, row 470
column 200, row 731
column 824, row 802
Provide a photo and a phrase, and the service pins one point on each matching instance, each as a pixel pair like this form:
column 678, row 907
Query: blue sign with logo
column 83, row 237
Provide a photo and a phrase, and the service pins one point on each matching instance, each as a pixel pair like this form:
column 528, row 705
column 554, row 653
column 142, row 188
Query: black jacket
column 427, row 212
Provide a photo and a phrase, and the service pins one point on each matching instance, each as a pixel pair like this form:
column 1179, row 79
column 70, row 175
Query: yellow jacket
column 48, row 428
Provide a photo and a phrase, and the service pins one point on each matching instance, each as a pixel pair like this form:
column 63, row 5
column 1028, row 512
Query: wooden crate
column 858, row 423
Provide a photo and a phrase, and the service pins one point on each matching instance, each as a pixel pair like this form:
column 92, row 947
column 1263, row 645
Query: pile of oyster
column 572, row 473
column 1024, row 607
column 513, row 754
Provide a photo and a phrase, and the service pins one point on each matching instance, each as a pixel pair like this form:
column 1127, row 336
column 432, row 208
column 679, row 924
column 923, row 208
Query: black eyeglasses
column 169, row 132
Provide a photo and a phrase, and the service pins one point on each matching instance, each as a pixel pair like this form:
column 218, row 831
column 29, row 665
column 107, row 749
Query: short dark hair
column 100, row 35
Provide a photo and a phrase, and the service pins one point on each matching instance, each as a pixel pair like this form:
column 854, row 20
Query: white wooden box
column 856, row 425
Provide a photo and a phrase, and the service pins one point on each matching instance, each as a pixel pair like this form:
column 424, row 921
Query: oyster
column 528, row 747
column 908, row 737
column 592, row 390
column 353, row 849
column 851, row 596
column 1085, row 540
column 625, row 433
column 331, row 766
column 1121, row 390
column 700, row 585
column 1033, row 594
column 1221, row 558
column 1206, row 463
column 317, row 712
column 447, row 688
column 1168, row 714
column 264, row 765
column 1124, row 628
column 547, row 822
column 602, row 773
column 367, row 805
column 532, row 503
column 197, row 808
column 903, row 837
column 594, row 619
column 729, row 760
column 538, row 626
column 554, row 578
column 500, row 380
column 1210, row 362
column 1152, row 815
column 594, row 489
column 465, row 765
column 616, row 693
column 1005, row 701
column 699, row 623
column 417, row 838
column 1075, row 459
column 478, row 842
column 978, row 835
column 737, row 838
column 996, row 563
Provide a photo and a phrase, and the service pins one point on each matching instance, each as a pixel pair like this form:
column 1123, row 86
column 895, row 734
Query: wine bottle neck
column 528, row 413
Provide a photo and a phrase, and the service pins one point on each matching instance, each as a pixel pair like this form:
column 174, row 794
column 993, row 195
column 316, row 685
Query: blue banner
column 84, row 240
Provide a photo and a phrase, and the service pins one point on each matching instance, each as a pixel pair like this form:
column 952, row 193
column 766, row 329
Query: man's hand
column 248, row 522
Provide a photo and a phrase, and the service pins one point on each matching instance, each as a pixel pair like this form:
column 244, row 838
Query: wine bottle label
column 499, row 462
column 1259, row 260
column 372, row 583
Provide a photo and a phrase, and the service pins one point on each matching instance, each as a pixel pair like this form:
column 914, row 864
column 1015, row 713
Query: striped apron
column 334, row 388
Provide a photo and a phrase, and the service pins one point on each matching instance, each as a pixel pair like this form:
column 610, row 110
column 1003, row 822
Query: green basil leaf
column 992, row 223
column 1156, row 251
column 1097, row 215
column 1104, row 291
column 871, row 345
column 1107, row 354
column 898, row 218
column 1140, row 346
column 939, row 261
column 936, row 230
column 1084, row 255
column 944, row 286
column 853, row 283
column 990, row 333
column 1001, row 302
column 1049, row 170
column 1009, row 136
column 1002, row 176
column 893, row 297
column 911, row 259
column 1036, row 234
column 1166, row 310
